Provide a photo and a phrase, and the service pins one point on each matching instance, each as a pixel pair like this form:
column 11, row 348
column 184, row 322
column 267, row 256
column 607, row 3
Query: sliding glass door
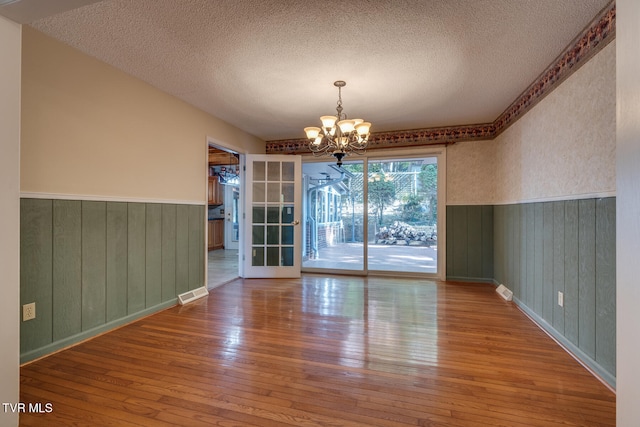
column 333, row 232
column 375, row 214
column 403, row 215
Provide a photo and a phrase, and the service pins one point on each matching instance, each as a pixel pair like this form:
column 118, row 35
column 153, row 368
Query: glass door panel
column 403, row 215
column 333, row 216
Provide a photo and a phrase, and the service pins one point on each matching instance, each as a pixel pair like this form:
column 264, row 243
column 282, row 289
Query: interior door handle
column 295, row 222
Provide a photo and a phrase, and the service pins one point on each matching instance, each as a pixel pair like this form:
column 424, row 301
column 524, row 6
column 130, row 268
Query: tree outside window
column 382, row 192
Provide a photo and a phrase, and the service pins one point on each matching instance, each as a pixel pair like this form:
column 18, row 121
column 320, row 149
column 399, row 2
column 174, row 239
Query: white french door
column 273, row 201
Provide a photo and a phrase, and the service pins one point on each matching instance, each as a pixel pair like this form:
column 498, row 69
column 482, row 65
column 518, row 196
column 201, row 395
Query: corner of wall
column 10, row 65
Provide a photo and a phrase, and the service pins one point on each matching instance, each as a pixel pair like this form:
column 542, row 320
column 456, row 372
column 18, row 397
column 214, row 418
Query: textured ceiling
column 268, row 66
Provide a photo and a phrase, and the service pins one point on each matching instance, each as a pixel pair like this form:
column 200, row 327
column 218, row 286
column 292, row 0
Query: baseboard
column 469, row 279
column 574, row 351
column 591, row 365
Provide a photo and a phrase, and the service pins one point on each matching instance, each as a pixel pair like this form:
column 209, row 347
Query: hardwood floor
column 222, row 266
column 322, row 351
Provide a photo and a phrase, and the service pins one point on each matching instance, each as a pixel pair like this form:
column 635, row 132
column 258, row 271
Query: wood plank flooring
column 322, row 351
column 222, row 266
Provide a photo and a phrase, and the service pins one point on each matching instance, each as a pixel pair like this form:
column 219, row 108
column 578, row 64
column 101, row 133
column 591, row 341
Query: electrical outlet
column 28, row 311
column 560, row 299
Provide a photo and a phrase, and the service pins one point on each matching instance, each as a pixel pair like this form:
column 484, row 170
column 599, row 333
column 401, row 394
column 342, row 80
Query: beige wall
column 564, row 147
column 471, row 173
column 89, row 129
column 10, row 215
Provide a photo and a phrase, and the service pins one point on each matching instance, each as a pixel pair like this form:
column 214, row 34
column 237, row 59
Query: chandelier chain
column 339, row 107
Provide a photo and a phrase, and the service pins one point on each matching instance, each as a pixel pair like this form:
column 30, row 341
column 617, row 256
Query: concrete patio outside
column 349, row 256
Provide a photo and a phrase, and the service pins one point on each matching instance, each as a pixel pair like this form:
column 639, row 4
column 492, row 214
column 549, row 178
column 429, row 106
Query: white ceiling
column 268, row 66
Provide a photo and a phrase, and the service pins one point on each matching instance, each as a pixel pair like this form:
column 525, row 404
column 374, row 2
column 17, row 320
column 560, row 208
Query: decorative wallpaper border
column 594, row 38
column 402, row 138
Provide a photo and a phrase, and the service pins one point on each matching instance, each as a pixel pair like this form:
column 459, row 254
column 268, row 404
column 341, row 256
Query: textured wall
column 90, row 266
column 565, row 146
column 471, row 173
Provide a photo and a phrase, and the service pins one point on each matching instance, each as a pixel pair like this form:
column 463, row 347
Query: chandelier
column 230, row 174
column 338, row 135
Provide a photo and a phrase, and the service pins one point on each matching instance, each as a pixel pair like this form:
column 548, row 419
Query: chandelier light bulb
column 328, row 121
column 346, row 126
column 312, row 132
column 363, row 128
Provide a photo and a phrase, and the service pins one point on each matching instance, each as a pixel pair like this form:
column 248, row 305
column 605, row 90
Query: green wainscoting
column 470, row 243
column 92, row 265
column 538, row 250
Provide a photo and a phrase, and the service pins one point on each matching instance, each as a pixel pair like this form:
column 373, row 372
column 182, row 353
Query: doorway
column 375, row 215
column 223, row 204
